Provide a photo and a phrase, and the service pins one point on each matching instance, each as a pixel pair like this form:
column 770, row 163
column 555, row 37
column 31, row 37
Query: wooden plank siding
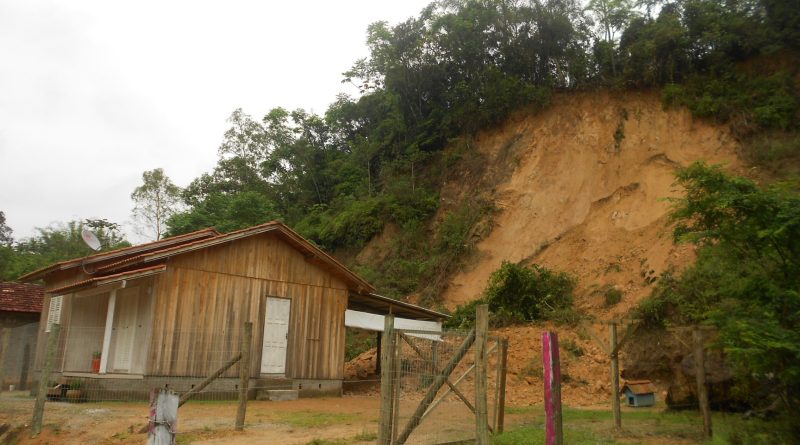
column 204, row 297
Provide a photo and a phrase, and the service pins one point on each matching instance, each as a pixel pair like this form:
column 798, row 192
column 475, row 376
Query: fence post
column 244, row 374
column 481, row 375
column 163, row 417
column 387, row 382
column 614, row 375
column 501, row 385
column 700, row 375
column 4, row 336
column 552, row 389
column 44, row 376
column 398, row 387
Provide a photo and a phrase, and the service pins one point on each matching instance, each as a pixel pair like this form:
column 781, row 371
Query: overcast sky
column 93, row 93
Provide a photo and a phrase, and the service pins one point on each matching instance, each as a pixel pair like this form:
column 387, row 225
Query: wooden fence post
column 44, row 376
column 552, row 389
column 244, row 374
column 163, row 417
column 614, row 355
column 387, row 381
column 4, row 337
column 481, row 375
column 501, row 385
column 700, row 374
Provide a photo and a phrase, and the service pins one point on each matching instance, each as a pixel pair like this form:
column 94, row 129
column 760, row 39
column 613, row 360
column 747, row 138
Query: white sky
column 93, row 93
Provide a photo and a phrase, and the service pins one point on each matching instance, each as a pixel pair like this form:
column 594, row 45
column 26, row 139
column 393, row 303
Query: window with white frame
column 54, row 314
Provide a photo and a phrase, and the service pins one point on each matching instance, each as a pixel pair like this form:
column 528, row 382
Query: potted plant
column 96, row 362
column 74, row 393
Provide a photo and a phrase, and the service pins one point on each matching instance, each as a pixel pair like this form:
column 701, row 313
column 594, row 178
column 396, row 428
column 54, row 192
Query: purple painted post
column 552, row 389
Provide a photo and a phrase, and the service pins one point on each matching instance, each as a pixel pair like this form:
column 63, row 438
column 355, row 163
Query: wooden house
column 639, row 393
column 175, row 309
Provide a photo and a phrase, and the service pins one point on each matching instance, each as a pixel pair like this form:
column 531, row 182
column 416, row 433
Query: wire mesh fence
column 450, row 417
column 437, row 388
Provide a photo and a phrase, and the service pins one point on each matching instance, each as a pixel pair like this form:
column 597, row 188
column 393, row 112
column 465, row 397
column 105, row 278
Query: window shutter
column 54, row 314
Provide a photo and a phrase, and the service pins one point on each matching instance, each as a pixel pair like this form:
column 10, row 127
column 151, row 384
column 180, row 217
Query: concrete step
column 277, row 394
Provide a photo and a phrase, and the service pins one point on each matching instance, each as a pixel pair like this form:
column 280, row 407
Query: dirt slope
column 579, row 187
column 582, row 190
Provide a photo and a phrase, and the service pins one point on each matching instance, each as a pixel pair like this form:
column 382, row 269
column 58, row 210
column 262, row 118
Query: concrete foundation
column 127, row 387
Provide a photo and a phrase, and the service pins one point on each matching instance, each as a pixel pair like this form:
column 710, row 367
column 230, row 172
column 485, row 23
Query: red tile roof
column 19, row 297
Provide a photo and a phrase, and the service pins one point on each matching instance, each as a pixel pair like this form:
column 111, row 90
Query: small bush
column 518, row 294
column 612, row 296
column 529, row 293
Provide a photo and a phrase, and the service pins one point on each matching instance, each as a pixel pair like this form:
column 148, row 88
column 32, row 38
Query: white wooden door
column 125, row 330
column 276, row 336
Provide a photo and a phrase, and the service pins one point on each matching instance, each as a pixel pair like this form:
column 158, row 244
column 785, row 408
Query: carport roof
column 378, row 304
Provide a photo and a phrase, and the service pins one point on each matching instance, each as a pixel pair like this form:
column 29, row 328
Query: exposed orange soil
column 580, row 200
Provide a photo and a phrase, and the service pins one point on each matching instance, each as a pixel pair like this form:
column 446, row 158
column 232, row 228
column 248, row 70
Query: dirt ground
column 352, row 419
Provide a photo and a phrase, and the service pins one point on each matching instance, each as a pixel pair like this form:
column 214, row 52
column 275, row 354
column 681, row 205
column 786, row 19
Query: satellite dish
column 90, row 239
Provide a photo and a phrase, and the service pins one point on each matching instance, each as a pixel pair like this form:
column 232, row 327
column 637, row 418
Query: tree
column 57, row 242
column 746, row 280
column 154, row 202
column 613, row 16
column 5, row 231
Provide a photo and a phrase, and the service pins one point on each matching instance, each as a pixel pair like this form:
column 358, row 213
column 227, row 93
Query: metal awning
column 380, row 305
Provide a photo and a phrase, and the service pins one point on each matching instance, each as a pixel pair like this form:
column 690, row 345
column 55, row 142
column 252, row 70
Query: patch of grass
column 612, row 296
column 573, row 348
column 584, row 427
column 314, row 419
column 366, row 436
column 613, row 267
column 532, row 369
column 522, row 409
column 534, row 435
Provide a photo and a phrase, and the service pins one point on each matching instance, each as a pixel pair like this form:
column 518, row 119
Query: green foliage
column 531, row 293
column 746, row 279
column 749, row 103
column 154, row 202
column 516, row 293
column 611, row 295
column 358, row 342
column 55, row 243
column 573, row 348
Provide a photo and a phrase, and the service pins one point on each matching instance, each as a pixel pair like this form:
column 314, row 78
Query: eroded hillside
column 581, row 187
